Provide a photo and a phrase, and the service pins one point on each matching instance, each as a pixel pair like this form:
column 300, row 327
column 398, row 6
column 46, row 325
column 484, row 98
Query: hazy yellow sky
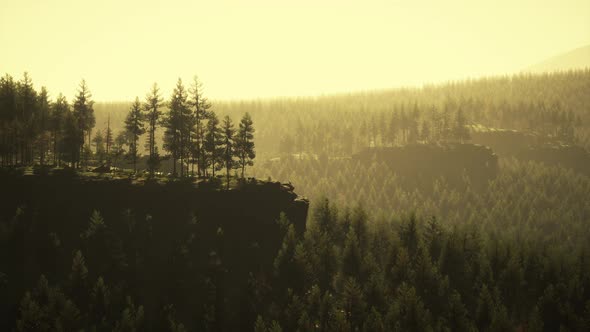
column 260, row 48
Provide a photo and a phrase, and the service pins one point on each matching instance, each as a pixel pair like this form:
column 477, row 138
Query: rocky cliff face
column 429, row 161
column 572, row 157
column 504, row 142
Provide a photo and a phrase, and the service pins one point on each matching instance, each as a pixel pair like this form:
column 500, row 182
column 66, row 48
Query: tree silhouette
column 41, row 125
column 178, row 125
column 228, row 132
column 213, row 144
column 59, row 110
column 245, row 143
column 84, row 113
column 201, row 113
column 152, row 105
column 99, row 142
column 73, row 139
column 134, row 126
column 460, row 131
column 108, row 140
column 27, row 109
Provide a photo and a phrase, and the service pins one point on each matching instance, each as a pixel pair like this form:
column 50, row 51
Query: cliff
column 428, row 161
column 174, row 242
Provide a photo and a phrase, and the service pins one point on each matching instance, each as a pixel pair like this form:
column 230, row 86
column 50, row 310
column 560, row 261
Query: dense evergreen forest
column 456, row 207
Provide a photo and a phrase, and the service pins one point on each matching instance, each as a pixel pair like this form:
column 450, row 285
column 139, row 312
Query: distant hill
column 575, row 59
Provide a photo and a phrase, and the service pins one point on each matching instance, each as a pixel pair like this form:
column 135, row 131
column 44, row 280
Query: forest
column 37, row 131
column 461, row 206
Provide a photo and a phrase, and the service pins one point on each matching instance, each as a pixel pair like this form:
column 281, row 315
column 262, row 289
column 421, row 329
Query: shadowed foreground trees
column 346, row 272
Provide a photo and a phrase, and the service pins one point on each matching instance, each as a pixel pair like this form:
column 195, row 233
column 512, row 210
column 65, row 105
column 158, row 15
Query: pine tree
column 100, row 301
column 228, row 132
column 84, row 112
column 351, row 256
column 433, row 236
column 99, row 146
column 425, row 132
column 484, row 314
column 27, row 109
column 374, row 322
column 78, row 279
column 177, row 124
column 353, row 303
column 73, row 139
column 213, row 143
column 457, row 315
column 409, row 235
column 285, row 268
column 460, row 131
column 118, row 150
column 8, row 120
column 245, row 143
column 407, row 313
column 132, row 318
column 201, row 112
column 153, row 103
column 59, row 110
column 134, row 126
column 42, row 124
column 108, row 140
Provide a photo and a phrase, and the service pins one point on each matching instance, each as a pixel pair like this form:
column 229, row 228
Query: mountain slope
column 575, row 59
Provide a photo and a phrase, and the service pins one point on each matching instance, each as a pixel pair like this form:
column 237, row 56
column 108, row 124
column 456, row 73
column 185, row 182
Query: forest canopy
column 451, row 207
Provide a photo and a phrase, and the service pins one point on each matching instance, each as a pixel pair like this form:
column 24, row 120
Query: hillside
column 572, row 60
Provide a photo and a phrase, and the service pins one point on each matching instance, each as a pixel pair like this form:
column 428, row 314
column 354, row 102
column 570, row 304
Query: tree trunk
column 181, row 154
column 174, row 166
column 134, row 156
column 213, row 166
column 55, row 149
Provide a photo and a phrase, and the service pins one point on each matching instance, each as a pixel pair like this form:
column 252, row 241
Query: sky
column 269, row 48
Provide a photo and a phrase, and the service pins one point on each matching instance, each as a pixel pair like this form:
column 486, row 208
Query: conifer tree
column 245, row 143
column 134, row 126
column 78, row 279
column 100, row 301
column 108, row 140
column 83, row 108
column 152, row 105
column 201, row 113
column 213, row 143
column 27, row 109
column 99, row 141
column 425, row 132
column 228, row 132
column 118, row 150
column 73, row 139
column 8, row 120
column 177, row 124
column 59, row 110
column 351, row 255
column 41, row 125
column 460, row 131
